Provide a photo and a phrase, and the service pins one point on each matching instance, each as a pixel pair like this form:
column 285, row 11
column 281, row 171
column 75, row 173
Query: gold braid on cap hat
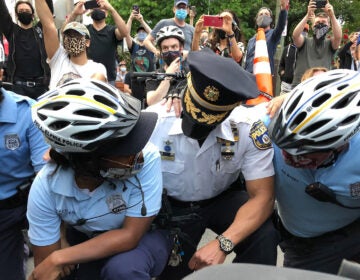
column 196, row 113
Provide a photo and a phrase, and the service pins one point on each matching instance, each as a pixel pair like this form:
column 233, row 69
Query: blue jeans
column 147, row 260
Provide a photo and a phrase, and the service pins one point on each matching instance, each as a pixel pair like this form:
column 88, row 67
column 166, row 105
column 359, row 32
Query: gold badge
column 211, row 93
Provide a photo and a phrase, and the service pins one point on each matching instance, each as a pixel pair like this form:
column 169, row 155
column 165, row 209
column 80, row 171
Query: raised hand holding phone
column 213, row 21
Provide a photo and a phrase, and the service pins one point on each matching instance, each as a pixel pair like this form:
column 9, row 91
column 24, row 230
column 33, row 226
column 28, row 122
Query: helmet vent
column 58, row 125
column 106, row 102
column 321, row 100
column 76, row 92
column 91, row 114
column 314, row 127
column 345, row 101
column 89, row 135
column 349, row 120
column 293, row 105
column 109, row 91
column 298, row 120
column 55, row 106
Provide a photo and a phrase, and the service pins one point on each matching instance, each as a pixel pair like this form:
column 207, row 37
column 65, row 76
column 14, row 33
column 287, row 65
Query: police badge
column 259, row 136
column 12, row 141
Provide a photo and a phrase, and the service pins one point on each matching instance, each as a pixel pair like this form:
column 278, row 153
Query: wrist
column 232, row 35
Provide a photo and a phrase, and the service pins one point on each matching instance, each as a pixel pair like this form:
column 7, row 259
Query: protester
column 27, row 68
column 104, row 37
column 202, row 156
column 346, row 54
column 225, row 41
column 170, row 41
column 142, row 60
column 319, row 50
column 181, row 10
column 317, row 179
column 264, row 19
column 103, row 181
column 22, row 149
column 70, row 60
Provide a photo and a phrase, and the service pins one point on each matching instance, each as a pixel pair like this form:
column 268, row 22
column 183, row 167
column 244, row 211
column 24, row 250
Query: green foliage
column 154, row 10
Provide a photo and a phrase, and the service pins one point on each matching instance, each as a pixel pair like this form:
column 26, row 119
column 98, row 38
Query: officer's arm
column 255, row 211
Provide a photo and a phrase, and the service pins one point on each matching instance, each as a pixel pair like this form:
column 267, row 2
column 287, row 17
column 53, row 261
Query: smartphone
column 213, row 21
column 320, row 4
column 136, row 8
column 92, row 4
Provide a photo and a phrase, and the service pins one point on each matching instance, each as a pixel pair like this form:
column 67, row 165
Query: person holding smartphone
column 225, row 39
column 318, row 50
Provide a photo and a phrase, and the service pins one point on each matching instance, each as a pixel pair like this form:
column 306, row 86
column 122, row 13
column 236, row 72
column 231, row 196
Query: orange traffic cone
column 262, row 70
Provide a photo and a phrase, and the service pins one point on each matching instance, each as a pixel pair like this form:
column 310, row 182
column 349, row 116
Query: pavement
column 208, row 235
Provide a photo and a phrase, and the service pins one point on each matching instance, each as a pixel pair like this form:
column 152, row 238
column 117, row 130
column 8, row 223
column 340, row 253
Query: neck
column 80, row 59
column 25, row 26
column 87, row 182
column 99, row 24
column 179, row 22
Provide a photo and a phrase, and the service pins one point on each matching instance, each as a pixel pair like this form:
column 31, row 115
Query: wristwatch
column 226, row 244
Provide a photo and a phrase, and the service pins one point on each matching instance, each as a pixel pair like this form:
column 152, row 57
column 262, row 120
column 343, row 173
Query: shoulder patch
column 259, row 136
column 355, row 190
column 12, row 141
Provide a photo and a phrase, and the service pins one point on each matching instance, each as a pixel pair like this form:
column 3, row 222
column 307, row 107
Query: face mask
column 263, row 21
column 222, row 34
column 181, row 14
column 25, row 18
column 141, row 36
column 122, row 170
column 320, row 31
column 98, row 15
column 74, row 46
column 311, row 161
column 123, row 69
column 170, row 56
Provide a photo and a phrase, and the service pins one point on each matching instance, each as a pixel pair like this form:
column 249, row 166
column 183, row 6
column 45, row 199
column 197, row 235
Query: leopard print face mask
column 74, row 46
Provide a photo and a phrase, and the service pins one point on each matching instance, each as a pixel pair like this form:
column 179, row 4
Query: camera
column 321, row 4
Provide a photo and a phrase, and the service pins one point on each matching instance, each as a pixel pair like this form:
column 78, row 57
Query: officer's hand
column 274, row 105
column 209, row 254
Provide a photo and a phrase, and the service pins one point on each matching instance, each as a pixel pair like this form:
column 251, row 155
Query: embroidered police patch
column 12, row 141
column 116, row 203
column 355, row 190
column 259, row 136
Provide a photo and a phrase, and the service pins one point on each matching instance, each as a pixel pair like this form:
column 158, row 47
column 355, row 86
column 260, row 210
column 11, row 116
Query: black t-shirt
column 142, row 60
column 103, row 46
column 27, row 56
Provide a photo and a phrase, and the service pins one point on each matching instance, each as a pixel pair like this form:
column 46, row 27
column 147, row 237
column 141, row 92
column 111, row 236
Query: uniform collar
column 8, row 108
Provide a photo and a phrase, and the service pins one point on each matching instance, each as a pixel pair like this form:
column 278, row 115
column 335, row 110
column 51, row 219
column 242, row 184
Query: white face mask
column 122, row 69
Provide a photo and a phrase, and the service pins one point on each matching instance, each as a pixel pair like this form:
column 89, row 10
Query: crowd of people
column 121, row 182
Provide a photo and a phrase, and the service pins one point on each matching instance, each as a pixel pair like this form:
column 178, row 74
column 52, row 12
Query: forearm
column 251, row 215
column 236, row 53
column 146, row 26
column 336, row 28
column 195, row 46
column 44, row 13
column 149, row 45
column 155, row 96
column 119, row 22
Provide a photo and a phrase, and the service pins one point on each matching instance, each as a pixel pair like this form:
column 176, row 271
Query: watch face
column 226, row 245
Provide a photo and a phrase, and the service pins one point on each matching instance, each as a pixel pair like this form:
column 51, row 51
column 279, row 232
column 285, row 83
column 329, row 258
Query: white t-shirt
column 62, row 69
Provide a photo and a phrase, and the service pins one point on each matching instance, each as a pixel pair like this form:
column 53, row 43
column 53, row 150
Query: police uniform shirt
column 192, row 173
column 22, row 145
column 55, row 197
column 303, row 215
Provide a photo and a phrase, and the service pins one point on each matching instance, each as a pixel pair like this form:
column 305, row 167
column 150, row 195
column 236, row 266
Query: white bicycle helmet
column 322, row 113
column 169, row 31
column 82, row 114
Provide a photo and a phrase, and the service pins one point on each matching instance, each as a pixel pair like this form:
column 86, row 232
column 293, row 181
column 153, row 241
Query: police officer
column 103, row 182
column 317, row 179
column 202, row 156
column 21, row 155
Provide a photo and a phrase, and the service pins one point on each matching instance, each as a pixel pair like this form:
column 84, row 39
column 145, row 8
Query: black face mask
column 222, row 34
column 320, row 31
column 98, row 15
column 170, row 56
column 25, row 18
